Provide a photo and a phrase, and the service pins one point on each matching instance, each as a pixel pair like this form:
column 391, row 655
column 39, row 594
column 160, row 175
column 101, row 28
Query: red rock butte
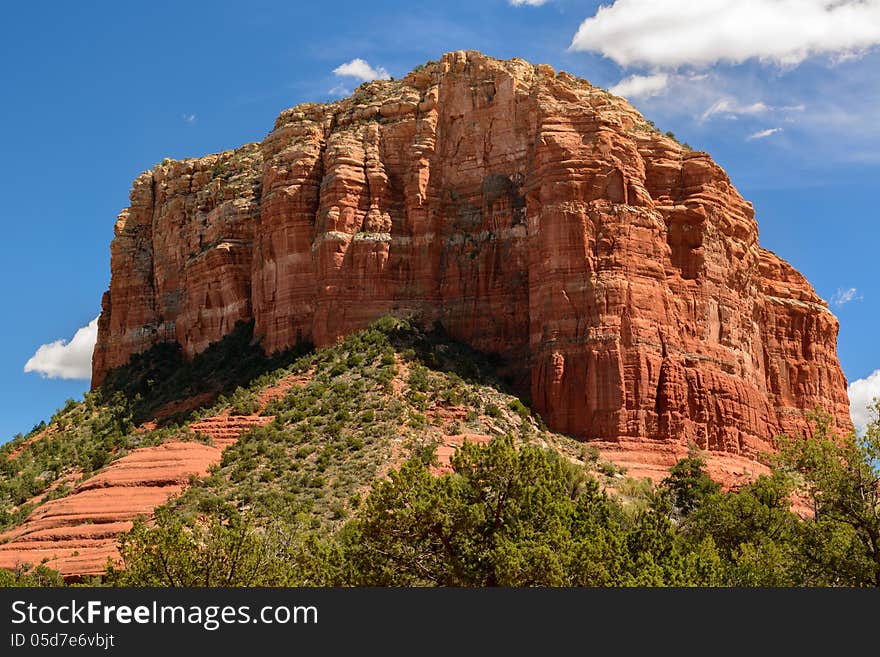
column 617, row 272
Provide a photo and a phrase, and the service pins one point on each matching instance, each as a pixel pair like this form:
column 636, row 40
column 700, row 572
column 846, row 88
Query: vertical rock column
column 221, row 213
column 353, row 234
column 128, row 321
column 483, row 151
column 284, row 281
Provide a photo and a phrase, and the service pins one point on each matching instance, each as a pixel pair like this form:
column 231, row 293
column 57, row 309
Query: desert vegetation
column 524, row 515
column 342, row 486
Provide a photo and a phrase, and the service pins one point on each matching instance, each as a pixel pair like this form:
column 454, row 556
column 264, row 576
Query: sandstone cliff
column 531, row 214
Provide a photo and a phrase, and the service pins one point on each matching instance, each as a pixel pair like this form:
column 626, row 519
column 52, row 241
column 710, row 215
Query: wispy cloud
column 66, row 360
column 828, row 114
column 189, row 118
column 678, row 33
column 844, row 296
column 641, row 86
column 360, row 69
column 730, row 109
column 763, row 134
column 532, row 3
column 339, row 90
column 706, row 96
column 862, row 393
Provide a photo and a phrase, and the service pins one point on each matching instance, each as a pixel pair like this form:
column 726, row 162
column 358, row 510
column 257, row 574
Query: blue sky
column 783, row 93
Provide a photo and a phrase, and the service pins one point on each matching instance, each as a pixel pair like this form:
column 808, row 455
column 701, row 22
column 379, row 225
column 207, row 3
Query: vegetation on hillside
column 341, row 487
column 162, row 376
column 523, row 515
column 83, row 437
column 363, row 405
column 80, row 439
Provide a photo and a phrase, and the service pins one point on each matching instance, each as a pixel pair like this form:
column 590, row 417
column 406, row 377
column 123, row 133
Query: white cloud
column 862, row 393
column 189, row 118
column 339, row 90
column 360, row 69
column 66, row 360
column 844, row 296
column 763, row 134
column 731, row 109
column 532, row 3
column 677, row 33
column 641, row 86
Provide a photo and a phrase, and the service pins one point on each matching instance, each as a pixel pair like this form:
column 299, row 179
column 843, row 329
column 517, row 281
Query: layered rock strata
column 77, row 535
column 617, row 273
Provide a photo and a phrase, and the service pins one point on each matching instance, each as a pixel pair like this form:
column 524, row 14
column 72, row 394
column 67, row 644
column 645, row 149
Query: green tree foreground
column 512, row 517
column 525, row 516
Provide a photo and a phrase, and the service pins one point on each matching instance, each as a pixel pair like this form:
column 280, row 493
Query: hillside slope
column 397, row 457
column 306, row 440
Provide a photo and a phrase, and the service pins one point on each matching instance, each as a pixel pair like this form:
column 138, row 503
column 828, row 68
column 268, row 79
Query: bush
column 519, row 408
column 492, row 410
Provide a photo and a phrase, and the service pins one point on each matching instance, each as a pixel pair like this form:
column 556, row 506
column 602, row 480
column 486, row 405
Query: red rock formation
column 77, row 534
column 531, row 214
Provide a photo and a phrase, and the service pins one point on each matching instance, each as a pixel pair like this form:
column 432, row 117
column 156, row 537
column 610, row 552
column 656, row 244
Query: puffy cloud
column 862, row 393
column 844, row 296
column 360, row 69
column 641, row 86
column 677, row 33
column 763, row 134
column 66, row 360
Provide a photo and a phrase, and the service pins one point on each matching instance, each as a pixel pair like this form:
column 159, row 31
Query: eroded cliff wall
column 531, row 214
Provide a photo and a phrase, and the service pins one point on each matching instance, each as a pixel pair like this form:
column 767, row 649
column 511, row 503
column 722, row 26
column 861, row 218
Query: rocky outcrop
column 77, row 535
column 617, row 273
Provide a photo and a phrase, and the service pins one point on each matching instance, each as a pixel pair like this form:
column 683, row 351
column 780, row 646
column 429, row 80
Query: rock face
column 617, row 273
column 77, row 534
